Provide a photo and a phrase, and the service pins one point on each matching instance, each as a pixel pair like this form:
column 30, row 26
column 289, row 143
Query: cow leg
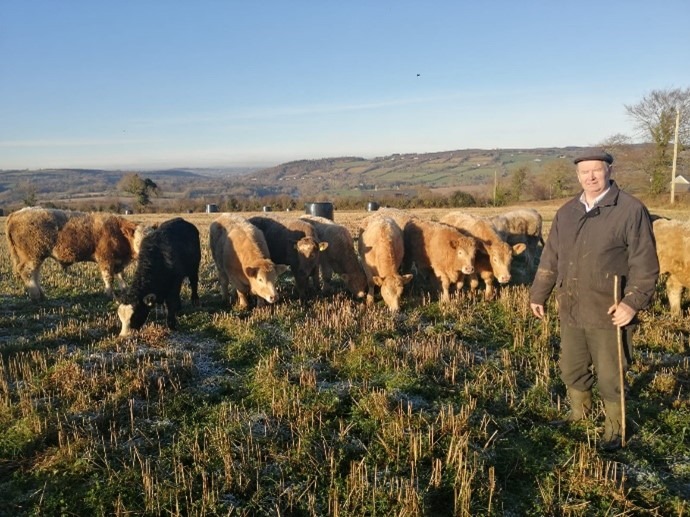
column 488, row 278
column 674, row 290
column 326, row 277
column 445, row 289
column 223, row 280
column 474, row 283
column 194, row 286
column 302, row 284
column 173, row 304
column 122, row 285
column 243, row 299
column 31, row 276
column 107, row 275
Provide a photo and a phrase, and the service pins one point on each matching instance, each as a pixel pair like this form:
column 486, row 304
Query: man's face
column 594, row 177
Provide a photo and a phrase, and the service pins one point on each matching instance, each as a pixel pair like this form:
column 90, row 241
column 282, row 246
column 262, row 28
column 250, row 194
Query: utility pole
column 675, row 157
column 495, row 185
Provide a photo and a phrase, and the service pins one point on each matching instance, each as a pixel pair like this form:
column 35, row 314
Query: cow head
column 308, row 250
column 133, row 314
column 392, row 289
column 262, row 278
column 465, row 249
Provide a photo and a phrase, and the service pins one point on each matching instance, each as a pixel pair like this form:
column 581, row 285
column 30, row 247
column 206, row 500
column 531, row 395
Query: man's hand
column 622, row 314
column 537, row 310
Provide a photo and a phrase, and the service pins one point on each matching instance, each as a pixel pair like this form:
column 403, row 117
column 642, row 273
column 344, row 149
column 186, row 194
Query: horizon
column 153, row 85
column 271, row 165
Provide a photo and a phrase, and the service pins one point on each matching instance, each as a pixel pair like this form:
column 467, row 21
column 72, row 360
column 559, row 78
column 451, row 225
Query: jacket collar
column 610, row 199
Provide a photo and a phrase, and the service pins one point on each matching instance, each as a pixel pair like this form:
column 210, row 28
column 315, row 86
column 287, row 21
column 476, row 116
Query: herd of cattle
column 251, row 253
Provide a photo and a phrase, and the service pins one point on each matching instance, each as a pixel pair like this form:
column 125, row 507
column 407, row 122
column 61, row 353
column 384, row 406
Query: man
column 601, row 238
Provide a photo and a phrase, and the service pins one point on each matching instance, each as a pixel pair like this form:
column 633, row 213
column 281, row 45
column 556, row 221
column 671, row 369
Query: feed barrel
column 372, row 206
column 319, row 209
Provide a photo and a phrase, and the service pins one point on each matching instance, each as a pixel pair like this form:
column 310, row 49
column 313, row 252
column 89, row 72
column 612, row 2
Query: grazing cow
column 401, row 217
column 440, row 251
column 494, row 254
column 293, row 242
column 242, row 259
column 673, row 249
column 522, row 225
column 35, row 234
column 340, row 256
column 167, row 256
column 381, row 248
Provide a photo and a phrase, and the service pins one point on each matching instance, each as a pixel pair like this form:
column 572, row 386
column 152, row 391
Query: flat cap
column 594, row 154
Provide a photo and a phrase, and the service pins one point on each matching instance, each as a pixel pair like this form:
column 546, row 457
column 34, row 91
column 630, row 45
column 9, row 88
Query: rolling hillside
column 472, row 170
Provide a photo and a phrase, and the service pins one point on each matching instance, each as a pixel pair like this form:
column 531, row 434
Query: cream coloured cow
column 339, row 257
column 673, row 249
column 494, row 254
column 440, row 251
column 381, row 247
column 35, row 234
column 242, row 259
column 521, row 225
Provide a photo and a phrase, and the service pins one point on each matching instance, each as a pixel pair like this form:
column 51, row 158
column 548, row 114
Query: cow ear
column 323, row 246
column 150, row 299
column 407, row 278
column 377, row 280
column 519, row 248
column 251, row 272
column 281, row 268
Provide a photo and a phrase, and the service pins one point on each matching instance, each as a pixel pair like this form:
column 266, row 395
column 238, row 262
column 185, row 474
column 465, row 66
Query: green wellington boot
column 613, row 427
column 580, row 407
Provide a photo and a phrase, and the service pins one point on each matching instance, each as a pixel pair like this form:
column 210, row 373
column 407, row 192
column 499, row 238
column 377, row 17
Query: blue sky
column 145, row 84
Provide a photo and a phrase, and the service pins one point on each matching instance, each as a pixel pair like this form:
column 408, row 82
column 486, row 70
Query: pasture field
column 322, row 408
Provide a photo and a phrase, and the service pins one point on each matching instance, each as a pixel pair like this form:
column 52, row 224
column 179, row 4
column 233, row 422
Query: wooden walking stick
column 621, row 379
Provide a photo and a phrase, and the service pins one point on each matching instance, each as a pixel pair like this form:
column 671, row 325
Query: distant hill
column 471, row 170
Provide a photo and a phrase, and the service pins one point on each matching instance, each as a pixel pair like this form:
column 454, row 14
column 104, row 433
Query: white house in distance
column 681, row 184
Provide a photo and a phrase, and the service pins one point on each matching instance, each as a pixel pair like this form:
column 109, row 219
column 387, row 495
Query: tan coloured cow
column 673, row 249
column 35, row 234
column 494, row 254
column 242, row 259
column 401, row 217
column 521, row 225
column 339, row 257
column 440, row 251
column 381, row 247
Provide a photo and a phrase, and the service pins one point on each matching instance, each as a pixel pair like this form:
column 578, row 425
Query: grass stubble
column 321, row 408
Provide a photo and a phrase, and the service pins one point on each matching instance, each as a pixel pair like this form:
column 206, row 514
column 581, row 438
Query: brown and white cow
column 521, row 225
column 441, row 252
column 293, row 242
column 35, row 234
column 494, row 254
column 242, row 259
column 381, row 247
column 340, row 256
column 673, row 249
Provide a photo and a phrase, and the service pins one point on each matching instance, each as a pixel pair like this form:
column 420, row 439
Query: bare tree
column 654, row 118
